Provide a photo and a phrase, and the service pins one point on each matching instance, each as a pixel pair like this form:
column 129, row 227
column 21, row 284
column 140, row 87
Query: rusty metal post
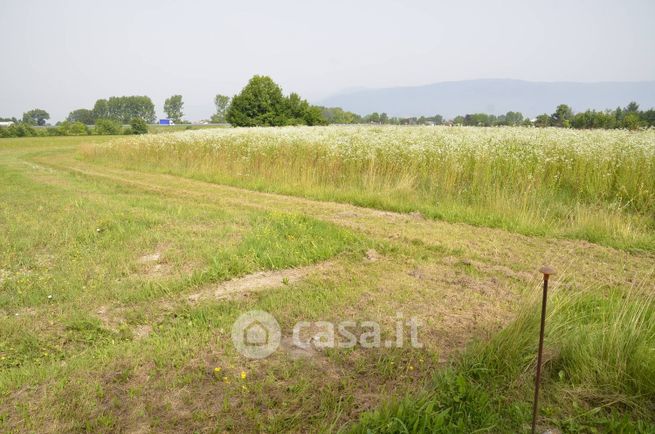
column 546, row 271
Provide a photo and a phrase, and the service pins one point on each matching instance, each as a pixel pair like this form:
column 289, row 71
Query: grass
column 98, row 331
column 599, row 356
column 597, row 186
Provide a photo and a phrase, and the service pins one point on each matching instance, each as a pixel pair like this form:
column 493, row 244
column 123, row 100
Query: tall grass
column 599, row 373
column 594, row 185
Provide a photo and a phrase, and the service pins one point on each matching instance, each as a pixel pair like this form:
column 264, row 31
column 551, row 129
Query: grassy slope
column 67, row 365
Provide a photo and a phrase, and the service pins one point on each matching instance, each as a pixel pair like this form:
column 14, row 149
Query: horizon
column 354, row 90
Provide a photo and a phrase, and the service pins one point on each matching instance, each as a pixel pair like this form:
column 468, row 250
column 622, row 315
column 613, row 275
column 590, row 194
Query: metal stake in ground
column 546, row 271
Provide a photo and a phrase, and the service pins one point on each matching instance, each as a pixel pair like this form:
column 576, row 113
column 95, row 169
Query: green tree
column 336, row 115
column 648, row 117
column 562, row 116
column 107, row 127
column 84, row 116
column 138, row 126
column 479, row 120
column 260, row 103
column 173, row 108
column 124, row 108
column 632, row 107
column 295, row 109
column 372, row 118
column 101, row 109
column 632, row 121
column 513, row 118
column 19, row 129
column 542, row 121
column 314, row 116
column 222, row 103
column 36, row 117
column 68, row 128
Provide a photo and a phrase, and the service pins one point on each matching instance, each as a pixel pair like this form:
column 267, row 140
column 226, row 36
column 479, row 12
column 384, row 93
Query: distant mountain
column 493, row 96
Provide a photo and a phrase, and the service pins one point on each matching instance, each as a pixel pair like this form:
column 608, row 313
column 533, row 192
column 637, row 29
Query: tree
column 295, row 109
column 107, row 127
column 138, row 126
column 632, row 107
column 314, row 116
column 101, row 109
column 173, row 108
column 372, row 118
column 336, row 115
column 84, row 116
column 648, row 117
column 68, row 128
column 479, row 120
column 299, row 112
column 562, row 116
column 542, row 121
column 631, row 121
column 124, row 108
column 260, row 103
column 222, row 103
column 513, row 118
column 36, row 117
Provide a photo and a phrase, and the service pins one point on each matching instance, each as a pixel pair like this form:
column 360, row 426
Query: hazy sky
column 63, row 55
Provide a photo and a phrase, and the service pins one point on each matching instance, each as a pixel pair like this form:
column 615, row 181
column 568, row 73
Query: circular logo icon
column 256, row 334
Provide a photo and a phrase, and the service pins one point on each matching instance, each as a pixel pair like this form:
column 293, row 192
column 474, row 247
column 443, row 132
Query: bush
column 67, row 128
column 20, row 129
column 138, row 126
column 53, row 131
column 107, row 127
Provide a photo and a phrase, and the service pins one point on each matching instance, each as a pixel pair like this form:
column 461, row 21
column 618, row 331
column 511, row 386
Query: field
column 593, row 185
column 125, row 261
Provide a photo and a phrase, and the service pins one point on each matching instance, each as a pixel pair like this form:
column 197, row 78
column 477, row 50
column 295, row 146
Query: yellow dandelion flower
column 217, row 369
column 243, row 375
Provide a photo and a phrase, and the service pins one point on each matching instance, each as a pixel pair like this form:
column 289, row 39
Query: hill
column 494, row 96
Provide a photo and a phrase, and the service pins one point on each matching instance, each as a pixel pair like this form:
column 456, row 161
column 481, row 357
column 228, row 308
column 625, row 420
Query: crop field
column 124, row 263
column 593, row 185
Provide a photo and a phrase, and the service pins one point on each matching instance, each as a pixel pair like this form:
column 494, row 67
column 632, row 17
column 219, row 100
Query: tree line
column 121, row 109
column 262, row 103
column 68, row 128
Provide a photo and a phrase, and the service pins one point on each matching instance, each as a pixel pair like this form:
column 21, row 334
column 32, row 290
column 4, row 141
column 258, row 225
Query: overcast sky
column 63, row 55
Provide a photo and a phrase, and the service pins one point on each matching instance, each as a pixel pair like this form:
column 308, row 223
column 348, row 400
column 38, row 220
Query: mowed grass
column 73, row 248
column 97, row 333
column 595, row 185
